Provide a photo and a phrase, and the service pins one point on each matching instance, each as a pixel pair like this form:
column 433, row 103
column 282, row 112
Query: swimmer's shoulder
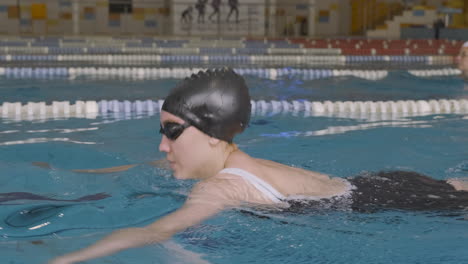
column 227, row 186
column 292, row 171
column 217, row 189
column 268, row 169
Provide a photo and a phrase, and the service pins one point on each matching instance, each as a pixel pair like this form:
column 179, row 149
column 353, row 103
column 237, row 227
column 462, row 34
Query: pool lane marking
column 44, row 140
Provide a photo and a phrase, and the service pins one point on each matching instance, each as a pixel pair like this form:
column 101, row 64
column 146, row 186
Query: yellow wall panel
column 88, row 9
column 356, row 16
column 38, row 11
column 66, row 15
column 114, row 16
column 52, row 22
column 138, row 16
column 25, row 9
column 138, row 13
column 455, row 3
column 466, row 13
column 102, row 4
column 13, row 12
column 164, row 11
column 138, row 10
column 458, row 20
column 151, row 11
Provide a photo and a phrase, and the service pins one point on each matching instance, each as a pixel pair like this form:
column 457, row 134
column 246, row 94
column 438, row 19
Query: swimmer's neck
column 219, row 160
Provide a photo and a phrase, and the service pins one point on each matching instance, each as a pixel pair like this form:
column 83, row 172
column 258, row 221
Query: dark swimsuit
column 391, row 190
column 405, row 190
column 397, row 190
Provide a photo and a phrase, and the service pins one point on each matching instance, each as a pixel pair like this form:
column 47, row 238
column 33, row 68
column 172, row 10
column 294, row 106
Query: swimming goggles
column 173, row 130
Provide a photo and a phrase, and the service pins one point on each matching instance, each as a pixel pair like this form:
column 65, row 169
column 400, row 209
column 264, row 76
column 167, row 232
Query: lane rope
column 178, row 73
column 92, row 109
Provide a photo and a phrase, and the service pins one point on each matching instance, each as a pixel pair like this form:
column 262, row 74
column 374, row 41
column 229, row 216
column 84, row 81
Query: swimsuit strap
column 258, row 183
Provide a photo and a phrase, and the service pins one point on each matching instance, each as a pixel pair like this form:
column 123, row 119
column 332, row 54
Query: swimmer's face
column 186, row 151
column 462, row 60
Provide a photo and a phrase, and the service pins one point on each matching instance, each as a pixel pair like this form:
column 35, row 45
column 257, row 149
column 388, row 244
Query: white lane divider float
column 179, row 73
column 40, row 110
column 351, row 109
column 435, row 72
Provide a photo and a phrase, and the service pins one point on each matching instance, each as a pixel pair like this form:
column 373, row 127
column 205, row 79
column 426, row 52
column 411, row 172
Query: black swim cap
column 216, row 102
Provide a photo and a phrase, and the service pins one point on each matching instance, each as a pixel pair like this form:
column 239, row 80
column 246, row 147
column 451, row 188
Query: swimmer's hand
column 61, row 260
column 107, row 170
column 46, row 165
column 205, row 200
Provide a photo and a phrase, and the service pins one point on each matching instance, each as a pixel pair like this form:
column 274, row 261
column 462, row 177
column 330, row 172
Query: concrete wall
column 454, row 33
column 337, row 22
column 146, row 18
column 56, row 17
column 9, row 17
column 427, row 33
column 417, row 33
column 329, row 18
column 273, row 18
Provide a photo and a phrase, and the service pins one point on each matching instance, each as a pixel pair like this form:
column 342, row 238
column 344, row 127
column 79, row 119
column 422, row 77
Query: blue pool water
column 34, row 230
column 398, row 85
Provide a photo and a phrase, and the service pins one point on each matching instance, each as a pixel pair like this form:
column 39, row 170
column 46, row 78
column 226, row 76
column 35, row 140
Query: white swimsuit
column 261, row 185
column 273, row 194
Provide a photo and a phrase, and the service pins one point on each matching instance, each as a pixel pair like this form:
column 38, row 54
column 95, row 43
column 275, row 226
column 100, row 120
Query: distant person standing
column 186, row 16
column 215, row 4
column 200, row 6
column 438, row 24
column 462, row 60
column 233, row 5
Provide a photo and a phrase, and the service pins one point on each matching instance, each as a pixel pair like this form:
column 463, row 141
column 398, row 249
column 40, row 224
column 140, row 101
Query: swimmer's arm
column 198, row 208
column 106, row 170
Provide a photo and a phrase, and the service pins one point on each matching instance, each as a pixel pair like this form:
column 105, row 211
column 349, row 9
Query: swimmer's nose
column 164, row 145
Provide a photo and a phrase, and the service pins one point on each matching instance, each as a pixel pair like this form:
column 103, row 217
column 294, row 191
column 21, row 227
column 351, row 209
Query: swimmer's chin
column 179, row 175
column 175, row 173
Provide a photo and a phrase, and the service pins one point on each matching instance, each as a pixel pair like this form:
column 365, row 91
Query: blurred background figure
column 186, row 16
column 462, row 60
column 215, row 5
column 233, row 5
column 200, row 6
column 438, row 24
